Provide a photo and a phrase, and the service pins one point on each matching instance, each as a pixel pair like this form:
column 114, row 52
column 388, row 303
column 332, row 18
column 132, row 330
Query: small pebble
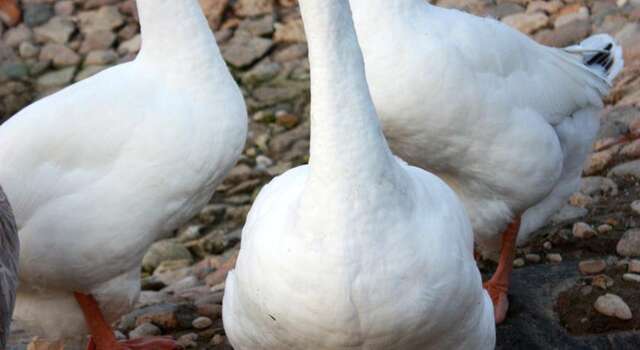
column 145, row 330
column 586, row 290
column 605, row 228
column 634, row 266
column 583, row 230
column 202, row 322
column 217, row 339
column 533, row 258
column 554, row 258
column 631, row 277
column 635, row 206
column 592, row 267
column 547, row 245
column 519, row 262
column 613, row 306
column 602, row 281
column 188, row 340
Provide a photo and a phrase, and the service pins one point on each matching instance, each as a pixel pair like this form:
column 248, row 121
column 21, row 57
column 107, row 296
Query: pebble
column 533, row 258
column 629, row 244
column 613, row 306
column 554, row 258
column 547, row 245
column 635, row 206
column 631, row 277
column 580, row 200
column 217, row 339
column 592, row 267
column 527, row 23
column 627, row 169
column 605, row 228
column 145, row 330
column 202, row 322
column 583, row 230
column 188, row 340
column 602, row 281
column 518, row 262
column 165, row 250
column 634, row 266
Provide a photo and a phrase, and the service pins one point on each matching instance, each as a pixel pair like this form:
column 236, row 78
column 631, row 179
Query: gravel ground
column 586, row 253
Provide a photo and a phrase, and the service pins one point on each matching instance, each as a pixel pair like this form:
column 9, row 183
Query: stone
column 260, row 26
column 217, row 340
column 583, row 230
column 165, row 250
column 605, row 228
column 98, row 40
column 571, row 13
column 506, row 9
column 598, row 185
column 249, row 8
column 629, row 244
column 105, row 18
column 628, row 38
column 631, row 150
column 550, row 7
column 565, row 35
column 130, row 46
column 14, row 70
column 213, row 10
column 634, row 266
column 64, row 8
column 596, row 162
column 261, row 72
column 89, row 71
column 57, row 78
column 635, row 206
column 533, row 258
column 290, row 32
column 188, row 340
column 212, row 311
column 101, row 57
column 518, row 262
column 592, row 267
column 244, row 49
column 145, row 330
column 602, row 281
column 286, row 119
column 172, row 271
column 547, row 245
column 554, row 258
column 631, row 169
column 580, row 200
column 631, row 277
column 17, row 35
column 57, row 30
column 36, row 13
column 28, row 50
column 527, row 23
column 202, row 322
column 59, row 55
column 613, row 306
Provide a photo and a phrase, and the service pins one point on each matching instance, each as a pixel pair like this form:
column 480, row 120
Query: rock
column 629, row 244
column 164, row 251
column 98, row 40
column 631, row 277
column 568, row 213
column 527, row 23
column 628, row 38
column 14, row 70
column 627, row 169
column 533, row 258
column 602, row 281
column 202, row 322
column 244, row 49
column 101, row 57
column 130, row 46
column 188, row 340
column 519, row 262
column 613, row 306
column 260, row 26
column 598, row 185
column 547, row 245
column 17, row 35
column 28, row 50
column 59, row 55
column 57, row 78
column 635, row 206
column 106, row 18
column 605, row 228
column 145, row 330
column 57, row 30
column 554, row 258
column 580, row 200
column 287, row 120
column 570, row 14
column 583, row 230
column 89, row 71
column 592, row 267
column 631, row 150
column 506, row 9
column 64, row 8
column 261, row 72
column 36, row 13
column 172, row 271
column 248, row 8
column 212, row 311
column 634, row 266
column 599, row 160
column 549, row 7
column 290, row 32
column 213, row 10
column 217, row 340
column 565, row 35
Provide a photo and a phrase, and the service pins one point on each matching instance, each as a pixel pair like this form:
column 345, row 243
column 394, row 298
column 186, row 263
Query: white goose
column 9, row 249
column 357, row 250
column 103, row 168
column 503, row 120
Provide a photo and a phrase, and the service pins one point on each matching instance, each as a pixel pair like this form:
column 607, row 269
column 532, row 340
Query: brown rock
column 527, row 23
column 634, row 266
column 592, row 267
column 629, row 244
column 213, row 10
column 290, row 32
column 247, row 8
column 602, row 281
column 583, row 230
column 613, row 306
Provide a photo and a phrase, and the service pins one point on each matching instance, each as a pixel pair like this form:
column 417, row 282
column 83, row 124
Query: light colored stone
column 17, row 35
column 202, row 323
column 592, row 267
column 554, row 258
column 130, row 46
column 605, row 228
column 145, row 330
column 213, row 10
column 602, row 281
column 57, row 30
column 634, row 266
column 57, row 78
column 627, row 169
column 527, row 23
column 59, row 55
column 613, row 306
column 101, row 57
column 568, row 213
column 583, row 230
column 629, row 244
column 533, row 258
column 550, row 7
column 165, row 250
column 188, row 340
column 290, row 32
column 89, row 71
column 631, row 277
column 105, row 18
column 28, row 50
column 249, row 8
column 635, row 206
column 518, row 262
column 576, row 14
column 631, row 150
column 580, row 200
column 596, row 162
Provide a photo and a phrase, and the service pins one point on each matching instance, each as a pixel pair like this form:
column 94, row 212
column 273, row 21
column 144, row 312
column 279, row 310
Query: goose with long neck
column 506, row 122
column 9, row 252
column 100, row 170
column 356, row 250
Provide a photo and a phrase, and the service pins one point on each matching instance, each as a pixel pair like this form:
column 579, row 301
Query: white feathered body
column 102, row 169
column 367, row 270
column 503, row 120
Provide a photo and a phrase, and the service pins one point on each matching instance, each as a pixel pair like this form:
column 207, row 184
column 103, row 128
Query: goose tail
column 602, row 54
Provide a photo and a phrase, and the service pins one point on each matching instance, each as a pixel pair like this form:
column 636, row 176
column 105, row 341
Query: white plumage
column 357, row 250
column 100, row 170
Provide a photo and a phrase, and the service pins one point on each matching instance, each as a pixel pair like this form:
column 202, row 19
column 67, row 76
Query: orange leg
column 498, row 285
column 10, row 12
column 102, row 337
